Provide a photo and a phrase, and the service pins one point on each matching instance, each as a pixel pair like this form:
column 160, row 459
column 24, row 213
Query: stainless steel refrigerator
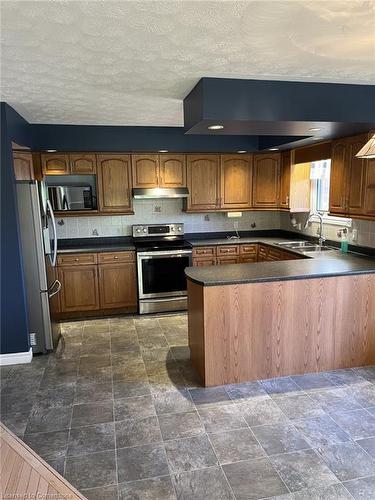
column 39, row 251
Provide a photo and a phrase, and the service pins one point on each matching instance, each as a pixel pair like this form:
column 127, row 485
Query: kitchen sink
column 317, row 248
column 296, row 244
column 305, row 246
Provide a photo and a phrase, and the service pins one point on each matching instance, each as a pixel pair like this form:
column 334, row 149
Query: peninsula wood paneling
column 25, row 475
column 265, row 330
column 196, row 327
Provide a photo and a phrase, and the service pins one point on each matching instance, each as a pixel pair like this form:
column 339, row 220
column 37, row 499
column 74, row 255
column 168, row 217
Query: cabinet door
column 55, row 164
column 285, row 179
column 117, row 285
column 235, row 181
column 172, row 171
column 247, row 259
column 79, row 288
column 355, row 203
column 338, row 192
column 82, row 163
column 266, row 180
column 204, row 261
column 23, row 166
column 145, row 171
column 227, row 260
column 114, row 182
column 370, row 189
column 203, row 182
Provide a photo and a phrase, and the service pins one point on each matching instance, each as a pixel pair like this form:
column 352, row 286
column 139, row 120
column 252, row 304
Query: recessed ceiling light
column 215, row 127
column 314, row 129
column 241, row 151
column 273, row 149
column 163, row 151
column 51, row 150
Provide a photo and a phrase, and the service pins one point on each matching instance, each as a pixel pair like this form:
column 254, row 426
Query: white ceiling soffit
column 132, row 62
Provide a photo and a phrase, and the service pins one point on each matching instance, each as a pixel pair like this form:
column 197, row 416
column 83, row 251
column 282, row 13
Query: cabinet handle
column 77, row 260
column 287, row 200
column 115, row 257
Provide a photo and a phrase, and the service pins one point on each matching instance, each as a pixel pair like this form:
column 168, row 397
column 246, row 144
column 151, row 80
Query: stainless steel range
column 162, row 256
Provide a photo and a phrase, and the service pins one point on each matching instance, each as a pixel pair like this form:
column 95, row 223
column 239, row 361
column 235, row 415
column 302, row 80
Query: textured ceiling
column 132, row 63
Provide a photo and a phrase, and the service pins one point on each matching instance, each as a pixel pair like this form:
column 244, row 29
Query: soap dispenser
column 344, row 240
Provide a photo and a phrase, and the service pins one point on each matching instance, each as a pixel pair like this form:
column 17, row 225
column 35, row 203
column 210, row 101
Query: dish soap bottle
column 344, row 241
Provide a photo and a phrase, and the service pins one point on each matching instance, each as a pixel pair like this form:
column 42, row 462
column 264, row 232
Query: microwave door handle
column 52, row 215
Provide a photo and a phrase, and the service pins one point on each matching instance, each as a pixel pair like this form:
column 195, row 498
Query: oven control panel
column 142, row 230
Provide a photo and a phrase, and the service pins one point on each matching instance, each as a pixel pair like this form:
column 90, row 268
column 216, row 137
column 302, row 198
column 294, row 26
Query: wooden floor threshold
column 25, row 475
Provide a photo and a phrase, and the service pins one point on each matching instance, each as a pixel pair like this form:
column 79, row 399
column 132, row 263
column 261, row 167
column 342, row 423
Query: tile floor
column 119, row 412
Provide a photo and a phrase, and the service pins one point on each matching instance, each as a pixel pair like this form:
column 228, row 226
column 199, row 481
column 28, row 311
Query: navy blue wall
column 143, row 139
column 14, row 328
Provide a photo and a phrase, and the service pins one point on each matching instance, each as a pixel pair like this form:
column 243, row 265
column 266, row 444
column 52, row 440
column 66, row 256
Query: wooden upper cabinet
column 82, row 163
column 266, row 180
column 337, row 195
column 369, row 205
column 285, row 163
column 172, row 171
column 203, row 173
column 145, row 171
column 23, row 166
column 55, row 164
column 114, row 183
column 235, row 181
column 355, row 198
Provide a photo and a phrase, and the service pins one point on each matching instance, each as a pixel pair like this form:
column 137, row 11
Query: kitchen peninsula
column 271, row 319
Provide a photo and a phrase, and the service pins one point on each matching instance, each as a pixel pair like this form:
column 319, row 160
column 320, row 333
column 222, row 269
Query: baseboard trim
column 16, row 358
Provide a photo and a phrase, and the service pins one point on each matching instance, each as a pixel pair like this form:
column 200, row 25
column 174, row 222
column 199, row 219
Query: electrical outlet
column 355, row 235
column 207, row 217
column 235, row 224
column 95, row 232
column 32, row 339
column 157, row 209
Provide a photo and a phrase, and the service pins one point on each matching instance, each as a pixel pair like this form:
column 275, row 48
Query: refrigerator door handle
column 56, row 287
column 52, row 215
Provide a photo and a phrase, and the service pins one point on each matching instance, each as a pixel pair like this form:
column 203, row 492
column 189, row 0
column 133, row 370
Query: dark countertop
column 82, row 245
column 324, row 264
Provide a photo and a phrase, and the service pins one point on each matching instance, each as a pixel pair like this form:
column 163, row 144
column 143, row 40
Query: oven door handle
column 165, row 253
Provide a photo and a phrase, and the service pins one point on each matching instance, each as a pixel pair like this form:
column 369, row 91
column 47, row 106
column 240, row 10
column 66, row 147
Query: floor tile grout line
column 113, row 416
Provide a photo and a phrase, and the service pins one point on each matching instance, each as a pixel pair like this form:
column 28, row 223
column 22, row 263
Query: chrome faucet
column 321, row 237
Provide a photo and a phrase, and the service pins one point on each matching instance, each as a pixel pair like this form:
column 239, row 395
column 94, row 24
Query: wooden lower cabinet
column 117, row 285
column 88, row 286
column 79, row 288
column 227, row 260
column 240, row 254
column 204, row 261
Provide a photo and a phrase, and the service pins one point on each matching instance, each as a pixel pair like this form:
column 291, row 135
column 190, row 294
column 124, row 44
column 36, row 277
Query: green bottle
column 344, row 241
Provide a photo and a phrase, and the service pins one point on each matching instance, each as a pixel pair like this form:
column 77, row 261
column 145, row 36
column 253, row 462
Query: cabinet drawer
column 111, row 257
column 247, row 249
column 262, row 251
column 77, row 259
column 204, row 251
column 275, row 254
column 227, row 250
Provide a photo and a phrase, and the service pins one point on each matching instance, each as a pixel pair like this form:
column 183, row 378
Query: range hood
column 152, row 193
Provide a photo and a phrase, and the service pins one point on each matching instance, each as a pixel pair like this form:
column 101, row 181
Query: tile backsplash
column 165, row 211
column 365, row 230
column 158, row 212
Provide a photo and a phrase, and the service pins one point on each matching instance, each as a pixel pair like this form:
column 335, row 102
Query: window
column 319, row 179
column 320, row 174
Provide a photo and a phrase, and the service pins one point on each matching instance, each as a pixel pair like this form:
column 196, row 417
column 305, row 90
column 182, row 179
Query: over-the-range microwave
column 71, row 198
